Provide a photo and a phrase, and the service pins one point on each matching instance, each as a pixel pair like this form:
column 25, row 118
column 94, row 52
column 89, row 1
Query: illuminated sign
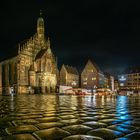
column 122, row 78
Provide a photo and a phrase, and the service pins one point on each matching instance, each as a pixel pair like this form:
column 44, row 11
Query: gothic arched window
column 48, row 67
column 43, row 65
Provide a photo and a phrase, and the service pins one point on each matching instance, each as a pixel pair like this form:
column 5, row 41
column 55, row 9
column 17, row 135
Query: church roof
column 40, row 54
column 71, row 69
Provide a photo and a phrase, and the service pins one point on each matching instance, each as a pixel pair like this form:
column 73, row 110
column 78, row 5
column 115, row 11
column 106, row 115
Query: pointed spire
column 49, row 50
column 48, row 41
column 40, row 26
column 56, row 61
column 40, row 13
column 19, row 49
column 48, row 45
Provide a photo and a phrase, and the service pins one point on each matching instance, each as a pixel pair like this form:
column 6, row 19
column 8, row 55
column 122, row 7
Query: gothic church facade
column 33, row 69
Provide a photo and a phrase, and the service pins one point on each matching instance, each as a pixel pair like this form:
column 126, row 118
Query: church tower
column 40, row 27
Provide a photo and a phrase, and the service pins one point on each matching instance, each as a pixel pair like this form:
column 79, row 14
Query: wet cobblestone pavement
column 50, row 117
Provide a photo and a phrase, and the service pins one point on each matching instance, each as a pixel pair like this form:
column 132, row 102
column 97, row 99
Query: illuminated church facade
column 33, row 69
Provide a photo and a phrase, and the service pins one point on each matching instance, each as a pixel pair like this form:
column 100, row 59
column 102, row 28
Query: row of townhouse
column 91, row 77
column 130, row 79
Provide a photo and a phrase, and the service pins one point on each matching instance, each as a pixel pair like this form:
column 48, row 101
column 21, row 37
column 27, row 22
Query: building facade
column 130, row 80
column 116, row 85
column 69, row 76
column 109, row 81
column 101, row 79
column 112, row 83
column 90, row 76
column 33, row 69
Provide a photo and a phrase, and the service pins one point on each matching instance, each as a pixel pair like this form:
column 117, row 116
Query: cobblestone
column 95, row 124
column 77, row 129
column 105, row 133
column 82, row 137
column 123, row 128
column 19, row 137
column 69, row 118
column 133, row 136
column 26, row 121
column 51, row 134
column 21, row 129
column 49, row 125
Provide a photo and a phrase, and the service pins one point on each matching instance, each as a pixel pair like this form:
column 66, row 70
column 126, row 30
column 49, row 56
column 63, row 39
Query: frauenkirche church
column 33, row 69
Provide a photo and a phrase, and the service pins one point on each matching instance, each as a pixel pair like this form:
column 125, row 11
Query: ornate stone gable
column 34, row 66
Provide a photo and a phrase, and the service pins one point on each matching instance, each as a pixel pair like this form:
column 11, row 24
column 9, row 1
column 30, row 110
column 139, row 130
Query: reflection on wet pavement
column 51, row 117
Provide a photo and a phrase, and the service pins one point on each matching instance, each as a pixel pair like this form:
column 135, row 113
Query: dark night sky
column 106, row 31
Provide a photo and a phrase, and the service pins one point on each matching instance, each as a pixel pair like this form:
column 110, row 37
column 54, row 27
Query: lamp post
column 94, row 89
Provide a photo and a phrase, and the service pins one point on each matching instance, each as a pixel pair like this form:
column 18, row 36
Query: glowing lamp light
column 122, row 84
column 74, row 83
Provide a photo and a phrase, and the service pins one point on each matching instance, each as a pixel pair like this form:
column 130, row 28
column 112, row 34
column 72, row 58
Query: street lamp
column 94, row 89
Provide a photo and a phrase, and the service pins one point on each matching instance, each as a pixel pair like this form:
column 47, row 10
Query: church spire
column 40, row 13
column 48, row 45
column 40, row 27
